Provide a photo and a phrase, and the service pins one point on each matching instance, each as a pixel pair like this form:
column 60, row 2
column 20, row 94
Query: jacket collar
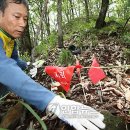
column 6, row 34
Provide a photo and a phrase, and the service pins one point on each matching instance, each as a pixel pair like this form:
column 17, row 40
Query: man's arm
column 18, row 82
column 22, row 64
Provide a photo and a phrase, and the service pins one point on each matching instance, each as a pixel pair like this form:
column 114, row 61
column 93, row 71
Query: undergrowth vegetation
column 82, row 33
column 65, row 58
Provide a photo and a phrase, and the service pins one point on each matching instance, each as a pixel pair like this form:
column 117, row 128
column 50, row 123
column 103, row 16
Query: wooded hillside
column 62, row 32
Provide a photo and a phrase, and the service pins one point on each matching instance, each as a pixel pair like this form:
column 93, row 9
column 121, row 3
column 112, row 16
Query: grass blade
column 35, row 115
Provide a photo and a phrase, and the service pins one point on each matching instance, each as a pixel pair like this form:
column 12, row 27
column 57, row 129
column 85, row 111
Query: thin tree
column 71, row 9
column 59, row 22
column 86, row 10
column 46, row 17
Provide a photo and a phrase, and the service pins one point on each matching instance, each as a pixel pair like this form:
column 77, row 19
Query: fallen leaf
column 127, row 94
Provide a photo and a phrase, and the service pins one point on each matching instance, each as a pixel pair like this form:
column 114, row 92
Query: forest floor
column 111, row 94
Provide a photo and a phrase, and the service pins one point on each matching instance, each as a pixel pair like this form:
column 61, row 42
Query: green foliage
column 126, row 41
column 94, row 40
column 121, row 21
column 108, row 29
column 42, row 49
column 127, row 54
column 25, row 57
column 45, row 46
column 128, row 3
column 78, row 29
column 113, row 122
column 65, row 58
column 34, row 114
column 78, row 24
column 30, row 110
column 52, row 39
column 126, row 38
column 53, row 7
column 117, row 9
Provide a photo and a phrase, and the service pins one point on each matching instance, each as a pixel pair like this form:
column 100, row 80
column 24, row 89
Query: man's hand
column 37, row 64
column 80, row 116
column 33, row 72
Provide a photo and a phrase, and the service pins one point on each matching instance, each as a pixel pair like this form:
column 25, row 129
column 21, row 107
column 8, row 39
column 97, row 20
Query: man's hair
column 4, row 3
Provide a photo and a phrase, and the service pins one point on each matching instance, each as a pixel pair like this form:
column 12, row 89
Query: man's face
column 14, row 19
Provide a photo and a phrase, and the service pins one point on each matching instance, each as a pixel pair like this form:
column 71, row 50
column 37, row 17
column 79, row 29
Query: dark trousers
column 3, row 90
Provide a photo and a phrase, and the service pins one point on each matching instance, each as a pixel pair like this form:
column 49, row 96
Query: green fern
column 65, row 58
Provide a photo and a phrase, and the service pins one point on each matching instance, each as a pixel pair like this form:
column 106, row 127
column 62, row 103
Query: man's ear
column 1, row 15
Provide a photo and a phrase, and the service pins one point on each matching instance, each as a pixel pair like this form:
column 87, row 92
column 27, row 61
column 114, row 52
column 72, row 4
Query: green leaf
column 35, row 115
column 3, row 98
column 128, row 3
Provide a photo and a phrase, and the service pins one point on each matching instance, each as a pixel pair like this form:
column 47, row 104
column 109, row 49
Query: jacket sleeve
column 18, row 82
column 22, row 64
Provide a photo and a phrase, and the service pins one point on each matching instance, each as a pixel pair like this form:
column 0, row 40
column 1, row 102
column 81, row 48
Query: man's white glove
column 38, row 63
column 80, row 116
column 33, row 72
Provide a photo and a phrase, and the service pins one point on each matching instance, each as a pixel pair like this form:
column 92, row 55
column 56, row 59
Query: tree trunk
column 25, row 45
column 71, row 10
column 79, row 9
column 46, row 17
column 101, row 19
column 86, row 10
column 59, row 21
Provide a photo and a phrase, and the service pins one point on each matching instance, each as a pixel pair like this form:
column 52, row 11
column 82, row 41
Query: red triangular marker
column 96, row 74
column 61, row 74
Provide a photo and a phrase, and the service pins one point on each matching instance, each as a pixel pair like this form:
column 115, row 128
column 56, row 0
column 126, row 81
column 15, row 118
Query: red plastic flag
column 61, row 74
column 96, row 74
